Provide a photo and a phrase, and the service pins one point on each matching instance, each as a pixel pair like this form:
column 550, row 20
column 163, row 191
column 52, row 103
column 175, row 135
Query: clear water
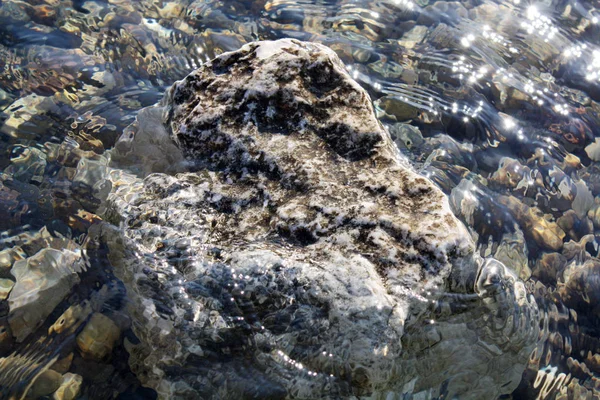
column 505, row 96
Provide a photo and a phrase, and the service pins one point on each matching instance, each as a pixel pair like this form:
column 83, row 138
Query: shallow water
column 503, row 99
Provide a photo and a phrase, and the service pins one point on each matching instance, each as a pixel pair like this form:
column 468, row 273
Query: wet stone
column 63, row 365
column 413, row 37
column 42, row 281
column 6, row 286
column 120, row 54
column 395, row 109
column 97, row 339
column 69, row 388
column 47, row 383
column 327, row 245
column 8, row 258
column 594, row 215
column 406, row 136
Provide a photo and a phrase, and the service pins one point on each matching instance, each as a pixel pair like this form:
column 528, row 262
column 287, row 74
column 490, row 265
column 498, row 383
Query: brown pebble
column 70, row 387
column 63, row 365
column 45, row 384
column 98, row 337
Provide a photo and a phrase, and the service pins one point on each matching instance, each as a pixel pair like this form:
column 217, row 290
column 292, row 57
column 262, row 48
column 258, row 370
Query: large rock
column 298, row 256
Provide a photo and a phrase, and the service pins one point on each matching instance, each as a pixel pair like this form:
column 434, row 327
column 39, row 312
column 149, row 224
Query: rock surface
column 296, row 255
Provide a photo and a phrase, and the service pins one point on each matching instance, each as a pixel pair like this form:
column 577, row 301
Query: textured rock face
column 295, row 255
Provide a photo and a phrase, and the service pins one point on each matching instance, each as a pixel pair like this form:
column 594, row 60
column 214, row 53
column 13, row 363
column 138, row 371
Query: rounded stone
column 63, row 365
column 97, row 339
column 69, row 388
column 6, row 286
column 47, row 383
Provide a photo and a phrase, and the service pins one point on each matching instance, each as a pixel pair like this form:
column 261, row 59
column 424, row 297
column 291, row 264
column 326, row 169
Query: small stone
column 42, row 281
column 8, row 258
column 72, row 318
column 70, row 387
column 45, row 384
column 584, row 199
column 574, row 226
column 510, row 173
column 63, row 365
column 410, row 77
column 6, row 337
column 6, row 286
column 43, row 14
column 90, row 186
column 171, row 10
column 484, row 12
column 512, row 251
column 593, row 150
column 594, row 215
column 29, row 106
column 581, row 288
column 413, row 37
column 395, row 109
column 546, row 234
column 549, row 267
column 361, row 55
column 406, row 136
column 98, row 337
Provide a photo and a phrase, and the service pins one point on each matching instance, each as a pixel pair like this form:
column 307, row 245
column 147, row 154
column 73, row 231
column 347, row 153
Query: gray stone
column 315, row 264
column 413, row 37
column 406, row 136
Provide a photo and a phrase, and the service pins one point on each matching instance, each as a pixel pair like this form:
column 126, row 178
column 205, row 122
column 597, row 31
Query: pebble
column 42, row 281
column 6, row 337
column 98, row 337
column 395, row 109
column 45, row 384
column 6, row 286
column 63, row 365
column 69, row 388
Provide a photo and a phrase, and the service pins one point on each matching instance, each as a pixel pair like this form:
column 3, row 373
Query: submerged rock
column 42, row 281
column 98, row 337
column 6, row 286
column 298, row 256
column 69, row 388
column 45, row 384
